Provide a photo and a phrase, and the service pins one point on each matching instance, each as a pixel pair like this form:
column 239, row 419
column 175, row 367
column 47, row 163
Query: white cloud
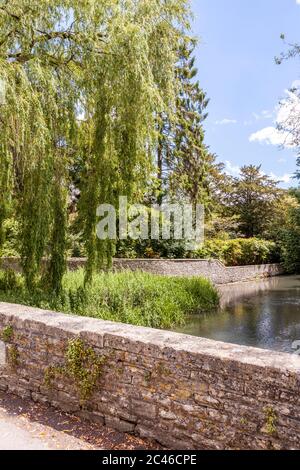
column 271, row 135
column 265, row 114
column 286, row 178
column 231, row 169
column 226, row 121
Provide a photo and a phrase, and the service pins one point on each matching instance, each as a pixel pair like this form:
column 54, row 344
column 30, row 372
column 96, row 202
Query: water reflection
column 264, row 314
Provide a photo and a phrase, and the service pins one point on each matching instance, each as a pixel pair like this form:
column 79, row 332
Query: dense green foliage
column 100, row 99
column 83, row 80
column 170, row 249
column 232, row 252
column 240, row 251
column 252, row 198
column 136, row 298
column 290, row 239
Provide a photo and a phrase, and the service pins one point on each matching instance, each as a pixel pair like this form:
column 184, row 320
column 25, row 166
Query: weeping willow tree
column 88, row 77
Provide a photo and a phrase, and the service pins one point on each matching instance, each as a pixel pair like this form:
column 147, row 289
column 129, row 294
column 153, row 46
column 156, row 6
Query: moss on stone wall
column 82, row 365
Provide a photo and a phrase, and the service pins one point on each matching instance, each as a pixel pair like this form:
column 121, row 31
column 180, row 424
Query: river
column 263, row 314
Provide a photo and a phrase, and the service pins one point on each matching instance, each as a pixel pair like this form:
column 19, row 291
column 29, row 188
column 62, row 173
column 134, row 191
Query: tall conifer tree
column 193, row 163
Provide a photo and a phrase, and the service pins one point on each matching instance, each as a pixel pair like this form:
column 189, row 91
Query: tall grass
column 128, row 297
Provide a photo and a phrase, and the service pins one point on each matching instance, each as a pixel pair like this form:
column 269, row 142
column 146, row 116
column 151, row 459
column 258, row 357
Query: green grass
column 136, row 298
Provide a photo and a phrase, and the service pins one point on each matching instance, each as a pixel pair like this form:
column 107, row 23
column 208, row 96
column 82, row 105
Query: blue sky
column 235, row 57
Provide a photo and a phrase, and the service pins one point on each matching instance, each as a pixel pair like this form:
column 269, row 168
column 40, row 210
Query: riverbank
column 128, row 297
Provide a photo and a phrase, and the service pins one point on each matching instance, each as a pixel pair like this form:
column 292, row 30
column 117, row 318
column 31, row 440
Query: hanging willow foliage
column 82, row 77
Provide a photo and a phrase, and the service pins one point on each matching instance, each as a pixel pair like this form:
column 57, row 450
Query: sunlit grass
column 128, row 297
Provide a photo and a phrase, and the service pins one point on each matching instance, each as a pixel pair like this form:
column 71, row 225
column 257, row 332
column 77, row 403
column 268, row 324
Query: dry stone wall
column 184, row 392
column 211, row 269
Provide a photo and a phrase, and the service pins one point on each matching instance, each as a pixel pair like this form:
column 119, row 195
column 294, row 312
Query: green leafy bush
column 136, row 298
column 290, row 245
column 170, row 249
column 240, row 251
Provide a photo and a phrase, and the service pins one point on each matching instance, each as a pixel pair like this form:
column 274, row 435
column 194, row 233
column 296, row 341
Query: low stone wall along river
column 211, row 269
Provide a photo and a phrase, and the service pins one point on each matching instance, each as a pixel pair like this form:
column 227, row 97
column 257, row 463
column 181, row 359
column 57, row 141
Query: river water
column 263, row 314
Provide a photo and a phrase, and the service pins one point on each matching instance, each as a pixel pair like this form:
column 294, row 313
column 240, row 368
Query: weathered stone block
column 119, row 424
column 144, row 409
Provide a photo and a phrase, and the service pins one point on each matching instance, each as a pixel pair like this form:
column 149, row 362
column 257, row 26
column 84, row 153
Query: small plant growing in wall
column 244, row 421
column 271, row 420
column 13, row 357
column 7, row 333
column 82, row 365
column 51, row 373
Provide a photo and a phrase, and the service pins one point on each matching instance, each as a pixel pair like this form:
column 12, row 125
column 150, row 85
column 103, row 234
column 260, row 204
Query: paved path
column 25, row 425
column 19, row 433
